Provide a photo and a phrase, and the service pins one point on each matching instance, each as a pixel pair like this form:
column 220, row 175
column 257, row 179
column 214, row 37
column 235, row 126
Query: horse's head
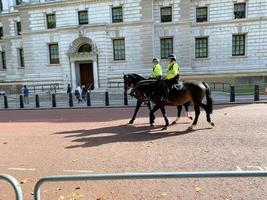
column 127, row 81
column 130, row 81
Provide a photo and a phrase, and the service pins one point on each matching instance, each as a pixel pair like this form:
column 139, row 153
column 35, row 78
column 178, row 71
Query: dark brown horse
column 193, row 91
column 131, row 80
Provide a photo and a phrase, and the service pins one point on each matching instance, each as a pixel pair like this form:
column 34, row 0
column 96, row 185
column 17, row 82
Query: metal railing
column 14, row 183
column 160, row 175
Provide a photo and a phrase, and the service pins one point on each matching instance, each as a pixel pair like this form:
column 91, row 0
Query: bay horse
column 131, row 80
column 193, row 91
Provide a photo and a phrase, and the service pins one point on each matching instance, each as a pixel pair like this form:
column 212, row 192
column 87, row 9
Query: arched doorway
column 83, row 56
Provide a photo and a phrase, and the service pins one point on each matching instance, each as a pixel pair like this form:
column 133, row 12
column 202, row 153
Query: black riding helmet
column 172, row 57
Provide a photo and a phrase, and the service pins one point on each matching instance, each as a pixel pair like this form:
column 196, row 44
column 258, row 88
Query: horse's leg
column 186, row 105
column 179, row 110
column 207, row 114
column 149, row 105
column 197, row 113
column 137, row 107
column 163, row 110
column 152, row 116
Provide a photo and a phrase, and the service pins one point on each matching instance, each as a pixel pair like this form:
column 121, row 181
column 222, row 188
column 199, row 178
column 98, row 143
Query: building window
column 18, row 24
column 202, row 14
column 83, row 17
column 85, row 48
column 201, row 47
column 18, row 2
column 3, row 59
column 119, row 49
column 239, row 45
column 53, row 54
column 51, row 21
column 166, row 14
column 1, row 6
column 240, row 10
column 117, row 15
column 166, row 47
column 1, row 33
column 21, row 57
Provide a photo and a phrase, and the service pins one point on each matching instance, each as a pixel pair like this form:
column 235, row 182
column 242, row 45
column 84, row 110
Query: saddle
column 178, row 86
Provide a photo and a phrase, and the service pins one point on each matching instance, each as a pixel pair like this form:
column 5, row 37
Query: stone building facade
column 96, row 41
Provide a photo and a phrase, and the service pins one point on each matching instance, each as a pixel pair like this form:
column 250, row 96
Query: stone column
column 95, row 74
column 73, row 75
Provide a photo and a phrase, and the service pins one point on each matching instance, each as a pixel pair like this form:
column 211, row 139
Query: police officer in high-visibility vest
column 172, row 75
column 157, row 70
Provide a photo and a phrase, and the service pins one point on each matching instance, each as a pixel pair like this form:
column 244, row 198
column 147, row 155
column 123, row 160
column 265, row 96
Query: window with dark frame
column 166, row 47
column 3, row 58
column 83, row 17
column 18, row 24
column 166, row 14
column 202, row 14
column 51, row 21
column 201, row 47
column 1, row 33
column 54, row 53
column 240, row 10
column 239, row 45
column 119, row 49
column 117, row 15
column 21, row 58
column 1, row 6
column 18, row 2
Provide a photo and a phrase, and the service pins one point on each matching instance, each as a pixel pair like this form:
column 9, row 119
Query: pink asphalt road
column 37, row 143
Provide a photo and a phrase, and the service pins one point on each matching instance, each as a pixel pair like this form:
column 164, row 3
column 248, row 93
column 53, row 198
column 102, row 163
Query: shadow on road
column 121, row 133
column 86, row 115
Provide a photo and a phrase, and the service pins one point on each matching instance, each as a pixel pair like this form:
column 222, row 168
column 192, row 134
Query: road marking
column 248, row 168
column 22, row 169
column 79, row 171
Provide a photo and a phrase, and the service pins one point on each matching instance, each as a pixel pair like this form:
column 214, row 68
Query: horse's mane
column 137, row 76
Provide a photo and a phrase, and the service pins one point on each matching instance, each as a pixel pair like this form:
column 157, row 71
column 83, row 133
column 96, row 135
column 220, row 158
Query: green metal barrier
column 161, row 175
column 15, row 185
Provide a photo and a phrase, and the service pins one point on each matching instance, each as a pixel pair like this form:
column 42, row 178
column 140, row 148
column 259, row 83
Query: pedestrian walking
column 78, row 93
column 26, row 94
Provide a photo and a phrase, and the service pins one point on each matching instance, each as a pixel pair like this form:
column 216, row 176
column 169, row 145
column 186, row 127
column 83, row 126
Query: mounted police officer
column 157, row 70
column 172, row 75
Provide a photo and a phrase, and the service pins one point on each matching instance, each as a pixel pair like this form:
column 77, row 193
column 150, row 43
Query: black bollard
column 88, row 98
column 5, row 101
column 21, row 102
column 37, row 101
column 54, row 103
column 106, row 98
column 232, row 94
column 125, row 99
column 257, row 93
column 70, row 100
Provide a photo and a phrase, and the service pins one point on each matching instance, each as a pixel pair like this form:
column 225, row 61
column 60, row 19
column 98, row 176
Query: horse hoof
column 212, row 124
column 191, row 118
column 164, row 128
column 131, row 122
column 190, row 128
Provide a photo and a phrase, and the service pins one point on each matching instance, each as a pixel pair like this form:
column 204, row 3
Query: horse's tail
column 209, row 99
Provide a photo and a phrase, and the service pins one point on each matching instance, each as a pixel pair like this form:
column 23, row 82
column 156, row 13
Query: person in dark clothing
column 69, row 89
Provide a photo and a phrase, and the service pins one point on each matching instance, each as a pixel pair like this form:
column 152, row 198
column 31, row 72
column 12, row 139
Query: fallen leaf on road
column 75, row 160
column 197, row 189
column 164, row 194
column 24, row 181
column 77, row 188
column 101, row 198
column 76, row 196
column 5, row 142
column 61, row 198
